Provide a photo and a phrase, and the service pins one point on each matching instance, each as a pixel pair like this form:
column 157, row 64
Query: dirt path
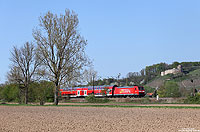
column 92, row 119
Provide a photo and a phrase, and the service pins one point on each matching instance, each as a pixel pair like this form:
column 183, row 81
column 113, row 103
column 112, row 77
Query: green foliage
column 1, row 92
column 93, row 99
column 154, row 70
column 172, row 89
column 10, row 93
column 38, row 92
column 161, row 92
column 42, row 92
column 195, row 73
column 193, row 99
column 169, row 89
column 149, row 89
column 174, row 64
column 179, row 77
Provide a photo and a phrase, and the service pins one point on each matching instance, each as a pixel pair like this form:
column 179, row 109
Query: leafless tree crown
column 61, row 46
column 24, row 63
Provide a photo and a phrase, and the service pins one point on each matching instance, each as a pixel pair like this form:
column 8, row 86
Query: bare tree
column 136, row 77
column 61, row 47
column 89, row 75
column 73, row 79
column 24, row 66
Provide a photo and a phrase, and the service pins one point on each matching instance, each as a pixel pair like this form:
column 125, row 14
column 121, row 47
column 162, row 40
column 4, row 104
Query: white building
column 172, row 71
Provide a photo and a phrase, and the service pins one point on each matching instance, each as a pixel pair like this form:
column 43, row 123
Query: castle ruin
column 172, row 71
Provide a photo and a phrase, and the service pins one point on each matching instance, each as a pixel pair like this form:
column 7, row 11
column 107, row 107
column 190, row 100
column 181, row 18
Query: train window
column 141, row 88
column 135, row 88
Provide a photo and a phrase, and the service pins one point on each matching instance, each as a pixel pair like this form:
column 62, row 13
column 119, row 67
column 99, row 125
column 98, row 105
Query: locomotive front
column 141, row 91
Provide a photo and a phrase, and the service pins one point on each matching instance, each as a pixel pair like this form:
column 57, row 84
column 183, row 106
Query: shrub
column 169, row 89
column 10, row 93
column 145, row 100
column 149, row 89
column 193, row 99
column 93, row 99
column 41, row 92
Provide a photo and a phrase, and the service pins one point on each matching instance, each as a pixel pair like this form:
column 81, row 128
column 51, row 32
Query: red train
column 100, row 91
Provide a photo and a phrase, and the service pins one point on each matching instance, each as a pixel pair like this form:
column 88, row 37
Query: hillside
column 183, row 80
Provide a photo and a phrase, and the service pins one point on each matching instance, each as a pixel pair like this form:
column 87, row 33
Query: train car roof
column 126, row 87
column 86, row 87
column 91, row 87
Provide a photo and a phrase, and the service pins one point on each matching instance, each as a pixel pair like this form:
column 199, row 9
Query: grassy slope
column 195, row 73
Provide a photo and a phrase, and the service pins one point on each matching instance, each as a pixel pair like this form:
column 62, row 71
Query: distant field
column 73, row 119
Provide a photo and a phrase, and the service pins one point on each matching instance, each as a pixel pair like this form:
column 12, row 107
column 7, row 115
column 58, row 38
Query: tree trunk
column 56, row 95
column 26, row 94
column 56, row 98
column 20, row 95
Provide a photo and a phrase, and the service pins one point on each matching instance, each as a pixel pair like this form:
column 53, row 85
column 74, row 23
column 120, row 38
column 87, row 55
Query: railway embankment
column 131, row 100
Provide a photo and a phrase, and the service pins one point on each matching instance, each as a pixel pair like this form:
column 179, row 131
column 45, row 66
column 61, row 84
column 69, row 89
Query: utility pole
column 93, row 83
column 118, row 79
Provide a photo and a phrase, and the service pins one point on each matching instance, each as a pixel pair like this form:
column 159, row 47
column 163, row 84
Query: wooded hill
column 186, row 81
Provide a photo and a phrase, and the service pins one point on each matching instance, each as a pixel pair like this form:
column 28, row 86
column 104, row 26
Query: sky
column 123, row 35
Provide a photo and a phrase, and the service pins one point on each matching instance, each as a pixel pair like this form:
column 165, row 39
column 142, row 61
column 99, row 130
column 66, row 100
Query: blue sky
column 123, row 36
